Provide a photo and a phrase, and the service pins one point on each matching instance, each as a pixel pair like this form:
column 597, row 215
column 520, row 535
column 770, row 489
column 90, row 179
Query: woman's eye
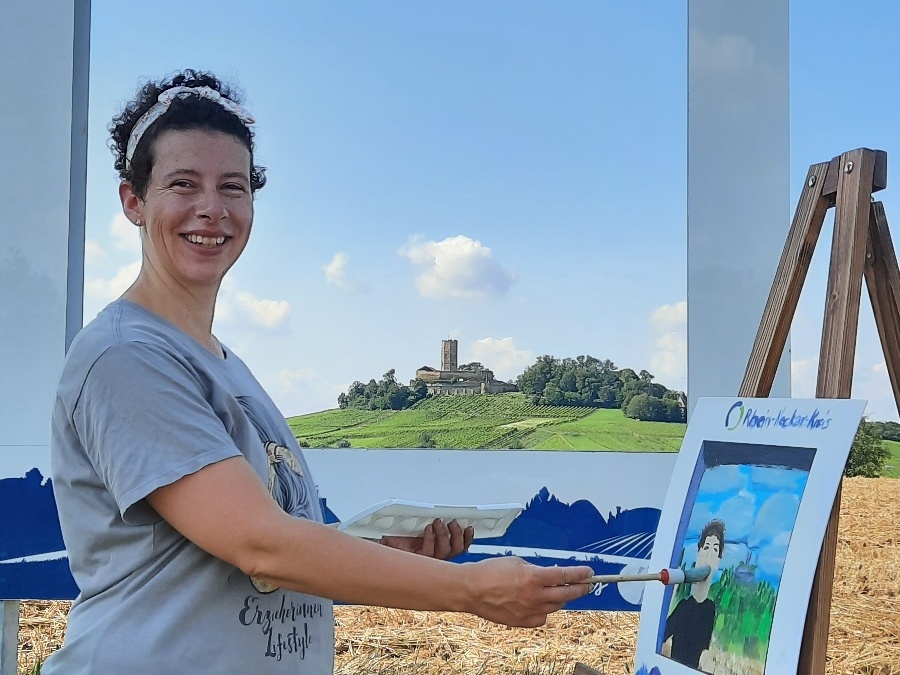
column 234, row 186
column 181, row 183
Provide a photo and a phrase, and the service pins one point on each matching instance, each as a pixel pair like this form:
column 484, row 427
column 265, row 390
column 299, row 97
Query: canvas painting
column 749, row 499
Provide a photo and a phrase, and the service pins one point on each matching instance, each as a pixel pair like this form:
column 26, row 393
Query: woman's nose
column 211, row 205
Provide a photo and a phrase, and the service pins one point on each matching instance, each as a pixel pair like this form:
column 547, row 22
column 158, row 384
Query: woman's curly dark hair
column 192, row 112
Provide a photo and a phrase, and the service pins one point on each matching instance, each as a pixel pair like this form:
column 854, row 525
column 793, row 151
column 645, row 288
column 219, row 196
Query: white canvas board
column 399, row 517
column 767, row 470
column 594, row 508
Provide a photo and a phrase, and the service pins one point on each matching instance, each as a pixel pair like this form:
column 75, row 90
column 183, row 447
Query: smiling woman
column 192, row 522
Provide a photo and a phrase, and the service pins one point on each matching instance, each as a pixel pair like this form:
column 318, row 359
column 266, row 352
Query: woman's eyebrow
column 193, row 172
column 236, row 174
column 179, row 172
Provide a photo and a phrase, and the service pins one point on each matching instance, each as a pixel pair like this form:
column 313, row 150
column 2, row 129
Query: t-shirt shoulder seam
column 172, row 475
column 116, row 345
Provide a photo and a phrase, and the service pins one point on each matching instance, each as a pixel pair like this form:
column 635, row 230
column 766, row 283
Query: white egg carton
column 399, row 517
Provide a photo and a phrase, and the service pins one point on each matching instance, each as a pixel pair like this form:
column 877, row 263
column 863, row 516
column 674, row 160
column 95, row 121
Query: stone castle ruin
column 451, row 380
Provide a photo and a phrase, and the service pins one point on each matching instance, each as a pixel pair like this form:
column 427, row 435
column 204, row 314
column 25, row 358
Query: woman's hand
column 439, row 540
column 510, row 591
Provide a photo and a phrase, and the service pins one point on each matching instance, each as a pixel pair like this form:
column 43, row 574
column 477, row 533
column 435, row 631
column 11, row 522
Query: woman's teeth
column 205, row 241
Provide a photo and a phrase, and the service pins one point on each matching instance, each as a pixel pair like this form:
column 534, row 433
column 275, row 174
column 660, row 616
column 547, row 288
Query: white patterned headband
column 164, row 100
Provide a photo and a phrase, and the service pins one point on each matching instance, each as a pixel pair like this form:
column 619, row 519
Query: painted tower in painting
column 449, row 355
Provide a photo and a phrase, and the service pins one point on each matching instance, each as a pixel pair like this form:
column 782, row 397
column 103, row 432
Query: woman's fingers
column 516, row 593
column 450, row 539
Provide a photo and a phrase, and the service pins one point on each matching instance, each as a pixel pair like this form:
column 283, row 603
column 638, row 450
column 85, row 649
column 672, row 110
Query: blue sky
column 511, row 175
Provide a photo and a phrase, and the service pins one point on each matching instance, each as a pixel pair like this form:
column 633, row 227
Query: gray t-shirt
column 141, row 404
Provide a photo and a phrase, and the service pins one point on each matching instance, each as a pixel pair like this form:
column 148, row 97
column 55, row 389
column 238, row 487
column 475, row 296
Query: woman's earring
column 139, row 222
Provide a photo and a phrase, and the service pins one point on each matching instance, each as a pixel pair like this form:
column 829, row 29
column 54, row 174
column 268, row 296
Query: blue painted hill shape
column 327, row 513
column 547, row 522
column 29, row 524
column 637, row 545
column 38, row 580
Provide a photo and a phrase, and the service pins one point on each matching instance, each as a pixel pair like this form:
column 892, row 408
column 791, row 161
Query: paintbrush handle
column 668, row 576
column 616, row 578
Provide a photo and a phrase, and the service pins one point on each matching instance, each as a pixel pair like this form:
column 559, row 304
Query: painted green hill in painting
column 486, row 421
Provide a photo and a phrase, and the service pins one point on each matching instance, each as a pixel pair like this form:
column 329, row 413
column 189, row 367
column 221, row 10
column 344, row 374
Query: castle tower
column 449, row 349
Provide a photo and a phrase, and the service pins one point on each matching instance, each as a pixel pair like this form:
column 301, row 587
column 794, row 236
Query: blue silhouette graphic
column 550, row 524
column 30, row 534
column 29, row 528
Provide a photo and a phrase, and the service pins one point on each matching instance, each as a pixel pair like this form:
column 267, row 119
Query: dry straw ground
column 865, row 621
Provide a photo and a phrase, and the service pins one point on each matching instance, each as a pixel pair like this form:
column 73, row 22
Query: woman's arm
column 225, row 510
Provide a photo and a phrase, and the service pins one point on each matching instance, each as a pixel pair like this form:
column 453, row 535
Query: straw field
column 865, row 618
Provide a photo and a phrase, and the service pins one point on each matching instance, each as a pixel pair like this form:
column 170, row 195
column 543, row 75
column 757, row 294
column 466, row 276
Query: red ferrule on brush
column 664, row 577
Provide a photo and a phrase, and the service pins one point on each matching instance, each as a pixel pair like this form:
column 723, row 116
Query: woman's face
column 198, row 209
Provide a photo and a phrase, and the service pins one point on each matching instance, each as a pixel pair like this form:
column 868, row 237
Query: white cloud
column 501, row 356
column 669, row 317
column 336, row 274
column 457, row 267
column 93, row 252
column 244, row 308
column 116, row 253
column 125, row 235
column 106, row 290
column 872, row 383
column 336, row 269
column 261, row 312
column 669, row 359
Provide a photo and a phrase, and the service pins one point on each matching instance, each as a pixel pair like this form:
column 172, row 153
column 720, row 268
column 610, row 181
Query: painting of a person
column 690, row 625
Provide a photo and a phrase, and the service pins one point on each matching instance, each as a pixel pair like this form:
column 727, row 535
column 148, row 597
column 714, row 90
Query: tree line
column 594, row 383
column 580, row 381
column 385, row 394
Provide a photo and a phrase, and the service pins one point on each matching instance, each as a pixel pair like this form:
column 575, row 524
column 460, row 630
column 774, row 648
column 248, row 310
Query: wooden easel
column 861, row 247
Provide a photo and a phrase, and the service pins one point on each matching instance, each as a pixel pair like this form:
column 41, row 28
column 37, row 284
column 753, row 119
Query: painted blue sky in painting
column 758, row 506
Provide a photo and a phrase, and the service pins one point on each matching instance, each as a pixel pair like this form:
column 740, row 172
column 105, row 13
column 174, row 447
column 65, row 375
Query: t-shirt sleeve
column 144, row 421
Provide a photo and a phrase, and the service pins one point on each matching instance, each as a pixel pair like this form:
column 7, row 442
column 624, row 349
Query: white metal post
column 738, row 181
column 9, row 625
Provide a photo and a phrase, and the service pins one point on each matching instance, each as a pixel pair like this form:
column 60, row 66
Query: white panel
column 739, row 207
column 44, row 52
column 38, row 43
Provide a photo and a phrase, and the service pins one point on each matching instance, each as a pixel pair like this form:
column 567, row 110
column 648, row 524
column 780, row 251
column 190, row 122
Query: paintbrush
column 668, row 576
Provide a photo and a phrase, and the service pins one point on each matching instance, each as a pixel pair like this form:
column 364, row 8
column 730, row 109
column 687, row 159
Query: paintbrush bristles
column 695, row 574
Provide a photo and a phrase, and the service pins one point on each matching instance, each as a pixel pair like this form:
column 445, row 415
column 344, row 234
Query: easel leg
column 883, row 282
column 792, row 268
column 848, row 259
